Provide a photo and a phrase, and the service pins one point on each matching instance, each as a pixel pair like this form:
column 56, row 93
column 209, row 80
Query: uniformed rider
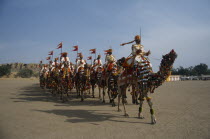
column 137, row 48
column 97, row 63
column 110, row 60
column 80, row 62
column 65, row 59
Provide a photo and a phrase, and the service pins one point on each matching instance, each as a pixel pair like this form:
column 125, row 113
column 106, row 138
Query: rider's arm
column 127, row 43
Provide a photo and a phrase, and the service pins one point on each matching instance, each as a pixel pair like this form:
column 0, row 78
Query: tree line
column 192, row 71
column 6, row 70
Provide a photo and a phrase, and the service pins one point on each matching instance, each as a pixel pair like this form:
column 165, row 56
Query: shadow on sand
column 35, row 93
column 89, row 116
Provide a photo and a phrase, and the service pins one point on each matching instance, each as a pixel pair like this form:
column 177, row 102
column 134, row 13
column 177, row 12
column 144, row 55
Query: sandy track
column 182, row 110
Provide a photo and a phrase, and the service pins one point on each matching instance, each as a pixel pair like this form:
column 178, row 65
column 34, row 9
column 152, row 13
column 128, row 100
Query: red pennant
column 59, row 45
column 106, row 51
column 50, row 53
column 93, row 51
column 89, row 58
column 75, row 48
column 48, row 58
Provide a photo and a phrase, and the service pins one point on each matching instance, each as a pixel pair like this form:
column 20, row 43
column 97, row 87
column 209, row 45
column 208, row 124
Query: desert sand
column 182, row 110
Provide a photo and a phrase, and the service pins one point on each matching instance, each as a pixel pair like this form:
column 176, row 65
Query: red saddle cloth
column 128, row 71
column 80, row 69
column 125, row 64
column 99, row 69
column 110, row 66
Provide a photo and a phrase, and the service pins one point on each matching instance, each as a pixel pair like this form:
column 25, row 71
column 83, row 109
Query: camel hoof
column 140, row 116
column 153, row 122
column 126, row 115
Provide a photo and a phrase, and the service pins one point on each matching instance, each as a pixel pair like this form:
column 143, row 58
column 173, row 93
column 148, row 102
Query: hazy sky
column 29, row 29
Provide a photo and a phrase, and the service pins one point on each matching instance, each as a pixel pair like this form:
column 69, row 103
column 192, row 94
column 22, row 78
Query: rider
column 97, row 63
column 55, row 64
column 50, row 66
column 80, row 62
column 65, row 59
column 136, row 49
column 137, row 46
column 110, row 60
column 71, row 66
column 44, row 70
column 40, row 65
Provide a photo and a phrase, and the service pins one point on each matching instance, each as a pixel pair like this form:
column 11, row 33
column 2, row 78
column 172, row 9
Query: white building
column 173, row 78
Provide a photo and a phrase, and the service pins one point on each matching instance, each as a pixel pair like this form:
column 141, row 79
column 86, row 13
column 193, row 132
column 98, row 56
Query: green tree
column 25, row 73
column 201, row 69
column 208, row 72
column 182, row 71
column 5, row 70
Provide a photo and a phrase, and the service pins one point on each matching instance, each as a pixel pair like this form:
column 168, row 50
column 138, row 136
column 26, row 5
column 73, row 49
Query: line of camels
column 139, row 76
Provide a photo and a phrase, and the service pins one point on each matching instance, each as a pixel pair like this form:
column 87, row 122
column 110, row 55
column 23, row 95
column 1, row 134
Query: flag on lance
column 59, row 45
column 75, row 48
column 93, row 51
column 89, row 58
column 48, row 58
column 107, row 51
column 50, row 53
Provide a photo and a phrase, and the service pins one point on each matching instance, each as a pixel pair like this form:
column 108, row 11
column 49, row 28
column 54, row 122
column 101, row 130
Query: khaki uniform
column 97, row 63
column 136, row 47
column 80, row 63
column 110, row 58
column 65, row 60
column 54, row 65
column 43, row 71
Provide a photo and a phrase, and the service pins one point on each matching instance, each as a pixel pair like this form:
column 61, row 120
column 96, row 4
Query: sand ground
column 182, row 110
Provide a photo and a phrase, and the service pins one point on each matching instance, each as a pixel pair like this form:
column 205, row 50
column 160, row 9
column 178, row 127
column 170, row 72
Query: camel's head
column 170, row 57
column 121, row 61
column 167, row 63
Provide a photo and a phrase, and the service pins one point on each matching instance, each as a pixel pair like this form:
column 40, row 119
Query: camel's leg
column 100, row 92
column 93, row 91
column 134, row 95
column 109, row 95
column 103, row 100
column 140, row 115
column 82, row 94
column 119, row 96
column 153, row 119
column 124, row 101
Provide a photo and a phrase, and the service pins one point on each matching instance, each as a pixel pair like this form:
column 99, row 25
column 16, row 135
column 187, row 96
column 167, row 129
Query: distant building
column 205, row 77
column 173, row 78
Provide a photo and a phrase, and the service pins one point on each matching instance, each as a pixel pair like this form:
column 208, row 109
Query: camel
column 144, row 80
column 83, row 81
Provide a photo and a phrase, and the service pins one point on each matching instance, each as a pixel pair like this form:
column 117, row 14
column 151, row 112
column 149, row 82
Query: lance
column 95, row 53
